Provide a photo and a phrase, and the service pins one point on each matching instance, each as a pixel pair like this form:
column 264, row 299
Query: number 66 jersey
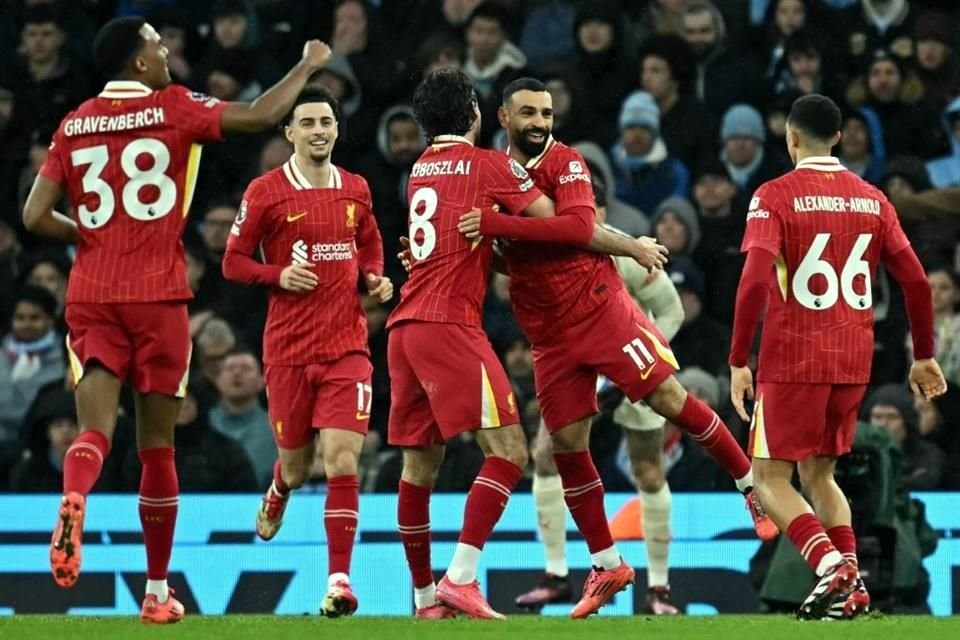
column 828, row 230
column 128, row 160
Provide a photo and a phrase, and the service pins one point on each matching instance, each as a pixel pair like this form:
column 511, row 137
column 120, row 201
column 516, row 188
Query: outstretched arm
column 267, row 110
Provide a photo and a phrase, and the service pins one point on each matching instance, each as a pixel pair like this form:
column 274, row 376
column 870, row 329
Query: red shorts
column 145, row 343
column 796, row 421
column 618, row 342
column 445, row 380
column 328, row 395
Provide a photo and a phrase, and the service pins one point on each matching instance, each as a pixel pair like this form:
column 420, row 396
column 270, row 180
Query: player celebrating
column 446, row 379
column 128, row 160
column 314, row 224
column 574, row 309
column 643, row 428
column 814, row 238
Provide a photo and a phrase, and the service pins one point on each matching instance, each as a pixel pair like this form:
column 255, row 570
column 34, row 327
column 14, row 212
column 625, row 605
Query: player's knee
column 340, row 462
column 542, row 455
column 668, row 398
column 650, row 477
column 573, row 438
column 814, row 480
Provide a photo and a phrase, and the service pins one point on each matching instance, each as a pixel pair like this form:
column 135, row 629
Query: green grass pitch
column 519, row 628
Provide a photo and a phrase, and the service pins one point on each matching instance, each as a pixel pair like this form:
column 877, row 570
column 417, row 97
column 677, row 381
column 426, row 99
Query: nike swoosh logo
column 646, row 373
column 295, row 217
column 362, row 416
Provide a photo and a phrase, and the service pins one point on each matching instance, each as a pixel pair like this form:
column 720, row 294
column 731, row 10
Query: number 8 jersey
column 128, row 160
column 449, row 276
column 828, row 229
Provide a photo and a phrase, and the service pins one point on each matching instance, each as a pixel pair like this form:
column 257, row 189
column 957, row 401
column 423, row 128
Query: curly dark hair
column 443, row 103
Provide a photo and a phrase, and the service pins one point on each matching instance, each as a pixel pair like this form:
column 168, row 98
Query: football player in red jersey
column 314, row 224
column 814, row 239
column 446, row 379
column 575, row 311
column 128, row 160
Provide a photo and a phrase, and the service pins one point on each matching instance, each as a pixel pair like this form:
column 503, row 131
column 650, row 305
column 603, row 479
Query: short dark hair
column 490, row 11
column 42, row 14
column 443, row 103
column 37, row 296
column 522, row 84
column 315, row 93
column 116, row 44
column 816, row 115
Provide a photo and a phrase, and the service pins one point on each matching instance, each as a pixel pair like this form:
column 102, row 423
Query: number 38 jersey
column 829, row 229
column 128, row 160
column 449, row 276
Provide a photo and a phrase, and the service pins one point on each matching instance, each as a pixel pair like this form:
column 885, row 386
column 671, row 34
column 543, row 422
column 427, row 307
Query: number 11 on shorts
column 639, row 353
column 364, row 400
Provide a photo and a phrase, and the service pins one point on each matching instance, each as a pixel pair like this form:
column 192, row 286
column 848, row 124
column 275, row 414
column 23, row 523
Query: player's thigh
column 789, row 420
column 156, row 419
column 566, row 390
column 296, row 464
column 842, row 410
column 343, row 393
column 626, row 348
column 160, row 332
column 341, row 451
column 421, row 464
column 463, row 379
column 290, row 403
column 98, row 352
column 411, row 422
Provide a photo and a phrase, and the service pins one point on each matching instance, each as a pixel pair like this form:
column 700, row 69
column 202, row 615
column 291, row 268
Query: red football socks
column 808, row 536
column 845, row 541
column 708, row 430
column 487, row 499
column 159, row 490
column 583, row 493
column 340, row 520
column 84, row 461
column 278, row 482
column 413, row 516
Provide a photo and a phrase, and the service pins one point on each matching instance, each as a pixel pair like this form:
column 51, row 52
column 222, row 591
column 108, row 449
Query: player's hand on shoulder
column 316, row 54
column 741, row 383
column 405, row 257
column 926, row 379
column 298, row 278
column 469, row 224
column 649, row 253
column 379, row 287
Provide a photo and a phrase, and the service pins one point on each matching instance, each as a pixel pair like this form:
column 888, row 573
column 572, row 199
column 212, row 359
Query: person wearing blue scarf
column 646, row 173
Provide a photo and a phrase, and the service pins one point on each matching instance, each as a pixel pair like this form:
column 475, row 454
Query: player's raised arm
column 275, row 102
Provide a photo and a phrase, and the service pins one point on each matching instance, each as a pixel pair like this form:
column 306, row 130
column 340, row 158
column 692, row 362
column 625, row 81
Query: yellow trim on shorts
column 76, row 367
column 489, row 416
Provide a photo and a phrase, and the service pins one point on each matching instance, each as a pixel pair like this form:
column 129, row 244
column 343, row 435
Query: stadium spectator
column 567, row 114
column 748, row 162
column 875, row 24
column 721, row 212
column 240, row 415
column 667, row 69
column 603, row 73
column 548, row 34
column 861, row 147
column 701, row 341
column 910, row 125
column 783, row 19
column 945, row 172
column 939, row 423
column 491, row 61
column 49, row 271
column 214, row 339
column 891, row 407
column 657, row 18
column 32, row 357
column 235, row 31
column 723, row 77
column 645, row 171
column 945, row 287
column 620, row 215
column 807, row 69
column 274, row 153
column 40, row 470
column 936, row 63
column 175, row 29
column 676, row 226
column 400, row 142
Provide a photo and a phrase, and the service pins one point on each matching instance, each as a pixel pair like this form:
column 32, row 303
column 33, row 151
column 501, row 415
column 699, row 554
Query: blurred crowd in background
column 678, row 105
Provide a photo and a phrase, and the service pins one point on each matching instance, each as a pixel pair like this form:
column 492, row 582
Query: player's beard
column 527, row 146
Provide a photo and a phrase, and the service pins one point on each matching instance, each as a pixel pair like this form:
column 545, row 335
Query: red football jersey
column 449, row 276
column 828, row 229
column 332, row 228
column 128, row 160
column 554, row 286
